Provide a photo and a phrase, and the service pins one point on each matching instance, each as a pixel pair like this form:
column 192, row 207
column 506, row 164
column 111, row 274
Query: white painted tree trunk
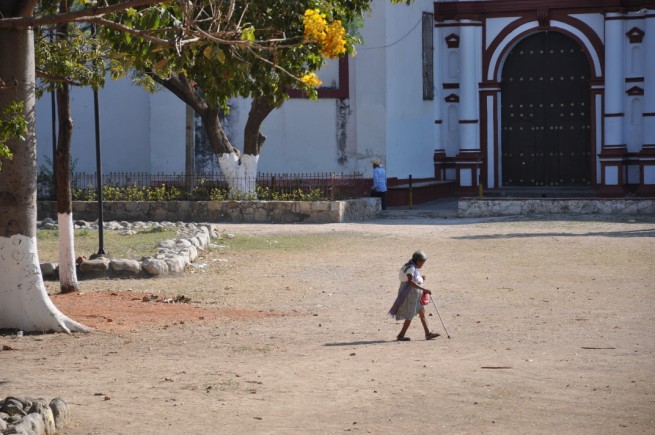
column 241, row 174
column 25, row 304
column 67, row 272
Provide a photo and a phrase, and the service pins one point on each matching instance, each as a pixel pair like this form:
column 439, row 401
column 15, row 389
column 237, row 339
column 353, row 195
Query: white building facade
column 462, row 94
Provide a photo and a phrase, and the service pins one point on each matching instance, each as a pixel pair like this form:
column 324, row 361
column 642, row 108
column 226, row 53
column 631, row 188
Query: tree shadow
column 420, row 219
column 624, row 234
column 359, row 343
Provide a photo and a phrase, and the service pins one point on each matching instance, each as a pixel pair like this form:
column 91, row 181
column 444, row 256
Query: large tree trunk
column 253, row 141
column 24, row 302
column 67, row 272
column 240, row 170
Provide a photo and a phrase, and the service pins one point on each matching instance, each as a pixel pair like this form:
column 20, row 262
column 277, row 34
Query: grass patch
column 298, row 242
column 133, row 246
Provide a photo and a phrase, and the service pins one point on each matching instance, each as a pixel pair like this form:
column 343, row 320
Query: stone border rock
column 173, row 256
column 28, row 416
column 351, row 210
column 481, row 207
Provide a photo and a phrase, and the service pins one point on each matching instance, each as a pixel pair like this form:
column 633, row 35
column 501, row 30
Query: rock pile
column 27, row 416
column 173, row 256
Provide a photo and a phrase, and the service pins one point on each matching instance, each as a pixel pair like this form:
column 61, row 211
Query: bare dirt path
column 552, row 324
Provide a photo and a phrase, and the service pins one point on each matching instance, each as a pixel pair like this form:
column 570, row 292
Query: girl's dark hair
column 418, row 255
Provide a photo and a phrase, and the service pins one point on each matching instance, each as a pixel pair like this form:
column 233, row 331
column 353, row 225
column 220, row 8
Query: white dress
column 412, row 303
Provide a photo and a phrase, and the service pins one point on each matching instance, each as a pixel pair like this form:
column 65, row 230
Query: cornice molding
column 475, row 10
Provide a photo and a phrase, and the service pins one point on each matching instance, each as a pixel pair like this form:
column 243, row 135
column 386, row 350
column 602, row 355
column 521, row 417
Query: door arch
column 546, row 113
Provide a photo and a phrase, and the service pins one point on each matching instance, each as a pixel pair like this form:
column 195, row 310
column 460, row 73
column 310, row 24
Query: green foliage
column 13, row 126
column 298, row 194
column 77, row 58
column 201, row 192
column 219, row 194
column 130, row 193
column 239, row 58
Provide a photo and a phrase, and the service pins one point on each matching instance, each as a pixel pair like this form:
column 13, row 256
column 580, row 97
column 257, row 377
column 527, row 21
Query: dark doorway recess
column 545, row 113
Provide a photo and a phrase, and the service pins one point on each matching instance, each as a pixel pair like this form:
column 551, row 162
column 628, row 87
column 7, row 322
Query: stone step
column 540, row 192
column 406, row 214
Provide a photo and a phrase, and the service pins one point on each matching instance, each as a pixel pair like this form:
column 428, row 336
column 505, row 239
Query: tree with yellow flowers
column 205, row 52
column 267, row 48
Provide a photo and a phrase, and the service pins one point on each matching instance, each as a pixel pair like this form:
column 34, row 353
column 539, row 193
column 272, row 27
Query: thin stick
column 442, row 323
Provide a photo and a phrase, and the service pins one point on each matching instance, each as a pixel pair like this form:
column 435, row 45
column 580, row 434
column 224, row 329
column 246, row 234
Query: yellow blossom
column 334, row 44
column 311, row 80
column 331, row 37
column 315, row 25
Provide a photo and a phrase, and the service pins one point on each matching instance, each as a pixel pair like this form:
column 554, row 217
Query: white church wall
column 494, row 26
column 594, row 21
column 301, row 138
column 410, row 119
column 368, row 91
column 167, row 133
column 124, row 128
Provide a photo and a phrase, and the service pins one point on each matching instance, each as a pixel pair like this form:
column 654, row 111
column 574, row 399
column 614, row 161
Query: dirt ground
column 552, row 326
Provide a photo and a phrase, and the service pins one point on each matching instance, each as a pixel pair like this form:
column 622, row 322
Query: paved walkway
column 448, row 207
column 445, row 208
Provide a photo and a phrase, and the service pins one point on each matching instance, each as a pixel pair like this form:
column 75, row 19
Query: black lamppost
column 54, row 134
column 101, row 241
column 54, row 144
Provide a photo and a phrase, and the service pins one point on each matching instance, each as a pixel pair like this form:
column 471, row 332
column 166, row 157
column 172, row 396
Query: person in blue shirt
column 379, row 188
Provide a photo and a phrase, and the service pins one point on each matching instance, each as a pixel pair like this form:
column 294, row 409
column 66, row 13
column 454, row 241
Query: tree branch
column 23, row 22
column 139, row 33
column 56, row 79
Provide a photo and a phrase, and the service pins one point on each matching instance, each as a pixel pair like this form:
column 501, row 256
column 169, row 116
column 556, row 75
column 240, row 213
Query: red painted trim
column 629, row 17
column 588, row 32
column 634, row 79
column 484, row 169
column 595, row 141
column 451, row 85
column 635, row 91
column 452, row 41
column 444, row 11
column 458, row 24
column 489, row 85
column 635, row 35
column 496, row 143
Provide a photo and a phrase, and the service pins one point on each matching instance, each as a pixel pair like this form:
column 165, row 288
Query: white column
column 439, row 54
column 649, row 80
column 614, row 81
column 468, row 88
column 647, row 154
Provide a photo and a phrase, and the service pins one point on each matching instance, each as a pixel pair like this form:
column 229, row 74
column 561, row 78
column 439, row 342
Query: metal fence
column 326, row 186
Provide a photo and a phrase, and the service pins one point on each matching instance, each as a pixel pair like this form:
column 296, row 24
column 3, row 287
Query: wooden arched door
column 545, row 113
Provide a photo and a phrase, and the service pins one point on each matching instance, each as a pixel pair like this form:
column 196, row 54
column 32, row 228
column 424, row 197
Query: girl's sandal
column 431, row 335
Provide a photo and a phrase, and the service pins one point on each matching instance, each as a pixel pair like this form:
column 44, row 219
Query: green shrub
column 201, row 192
